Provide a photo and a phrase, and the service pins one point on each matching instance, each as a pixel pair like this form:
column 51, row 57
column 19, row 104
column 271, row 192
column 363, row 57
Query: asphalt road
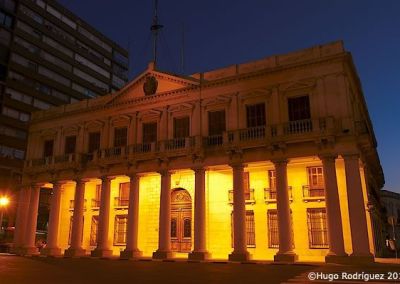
column 21, row 270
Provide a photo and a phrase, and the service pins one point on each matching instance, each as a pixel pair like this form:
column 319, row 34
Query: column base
column 51, row 251
column 103, row 253
column 74, row 252
column 361, row 259
column 16, row 250
column 29, row 251
column 163, row 254
column 199, row 255
column 129, row 254
column 286, row 257
column 239, row 256
column 338, row 259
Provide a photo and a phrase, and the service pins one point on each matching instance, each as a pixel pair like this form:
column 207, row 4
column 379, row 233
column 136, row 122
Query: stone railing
column 313, row 193
column 270, row 194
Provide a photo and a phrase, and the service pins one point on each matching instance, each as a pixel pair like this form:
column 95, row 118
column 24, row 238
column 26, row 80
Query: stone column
column 131, row 250
column 29, row 247
column 285, row 252
column 103, row 248
column 77, row 221
column 52, row 248
column 335, row 230
column 22, row 216
column 358, row 219
column 200, row 249
column 240, row 252
column 164, row 232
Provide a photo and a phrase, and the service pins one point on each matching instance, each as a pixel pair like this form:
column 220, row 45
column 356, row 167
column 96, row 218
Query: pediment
column 222, row 99
column 304, row 84
column 152, row 82
column 48, row 132
column 71, row 129
column 94, row 124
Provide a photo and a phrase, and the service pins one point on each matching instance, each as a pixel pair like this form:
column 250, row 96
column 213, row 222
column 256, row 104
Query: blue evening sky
column 220, row 33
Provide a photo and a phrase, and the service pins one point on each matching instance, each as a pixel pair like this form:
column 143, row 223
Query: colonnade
column 27, row 216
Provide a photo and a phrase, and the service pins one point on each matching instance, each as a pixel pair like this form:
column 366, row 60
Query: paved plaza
column 21, row 270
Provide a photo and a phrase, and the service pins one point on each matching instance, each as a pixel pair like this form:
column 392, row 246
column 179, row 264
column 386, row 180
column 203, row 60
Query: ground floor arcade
column 310, row 208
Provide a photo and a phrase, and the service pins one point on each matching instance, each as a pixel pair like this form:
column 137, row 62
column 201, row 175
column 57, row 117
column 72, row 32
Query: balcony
column 270, row 194
column 71, row 204
column 249, row 196
column 248, row 138
column 213, row 140
column 121, row 203
column 313, row 193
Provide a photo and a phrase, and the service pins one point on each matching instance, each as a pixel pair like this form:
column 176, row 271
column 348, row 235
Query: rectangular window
column 272, row 179
column 273, row 232
column 117, row 82
column 97, row 196
column 299, row 108
column 6, row 20
column 120, row 229
column 94, row 227
column 8, row 131
column 316, row 177
column 317, row 228
column 120, row 136
column 250, row 229
column 181, row 127
column 150, row 132
column 246, row 184
column 70, row 144
column 94, row 142
column 255, row 115
column 48, row 148
column 123, row 197
column 216, row 122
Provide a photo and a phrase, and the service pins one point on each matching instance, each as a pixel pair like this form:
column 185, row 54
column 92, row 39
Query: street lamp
column 4, row 201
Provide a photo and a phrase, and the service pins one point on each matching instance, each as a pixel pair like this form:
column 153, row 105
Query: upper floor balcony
column 313, row 193
column 255, row 137
column 248, row 196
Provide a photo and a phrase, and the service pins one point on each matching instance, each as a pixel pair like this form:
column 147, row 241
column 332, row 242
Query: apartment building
column 48, row 57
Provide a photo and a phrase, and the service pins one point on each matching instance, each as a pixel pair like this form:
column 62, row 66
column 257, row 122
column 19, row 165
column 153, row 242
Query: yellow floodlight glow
column 4, row 201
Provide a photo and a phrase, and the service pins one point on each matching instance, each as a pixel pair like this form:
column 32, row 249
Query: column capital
column 164, row 172
column 328, row 157
column 81, row 180
column 37, row 185
column 278, row 162
column 351, row 156
column 199, row 169
column 107, row 178
column 58, row 183
column 133, row 175
column 237, row 165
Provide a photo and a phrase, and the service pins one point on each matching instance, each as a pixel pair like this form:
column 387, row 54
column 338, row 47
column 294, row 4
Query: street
column 21, row 270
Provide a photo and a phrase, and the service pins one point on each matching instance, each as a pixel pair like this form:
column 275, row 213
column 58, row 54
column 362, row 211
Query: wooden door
column 181, row 221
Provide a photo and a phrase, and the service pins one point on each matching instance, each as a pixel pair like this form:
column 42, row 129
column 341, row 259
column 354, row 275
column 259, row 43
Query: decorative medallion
column 150, row 86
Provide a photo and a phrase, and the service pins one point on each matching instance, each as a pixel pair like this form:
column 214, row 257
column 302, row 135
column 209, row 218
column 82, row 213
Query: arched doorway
column 181, row 220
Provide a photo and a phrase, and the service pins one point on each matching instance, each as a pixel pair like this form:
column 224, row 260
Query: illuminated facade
column 273, row 159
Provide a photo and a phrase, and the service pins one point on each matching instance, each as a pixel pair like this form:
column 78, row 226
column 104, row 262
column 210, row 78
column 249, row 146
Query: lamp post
column 3, row 204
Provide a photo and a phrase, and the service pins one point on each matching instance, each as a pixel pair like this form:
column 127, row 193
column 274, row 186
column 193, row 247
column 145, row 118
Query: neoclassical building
column 268, row 160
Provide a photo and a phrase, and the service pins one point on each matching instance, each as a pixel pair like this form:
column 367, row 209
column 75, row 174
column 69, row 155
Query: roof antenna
column 155, row 27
